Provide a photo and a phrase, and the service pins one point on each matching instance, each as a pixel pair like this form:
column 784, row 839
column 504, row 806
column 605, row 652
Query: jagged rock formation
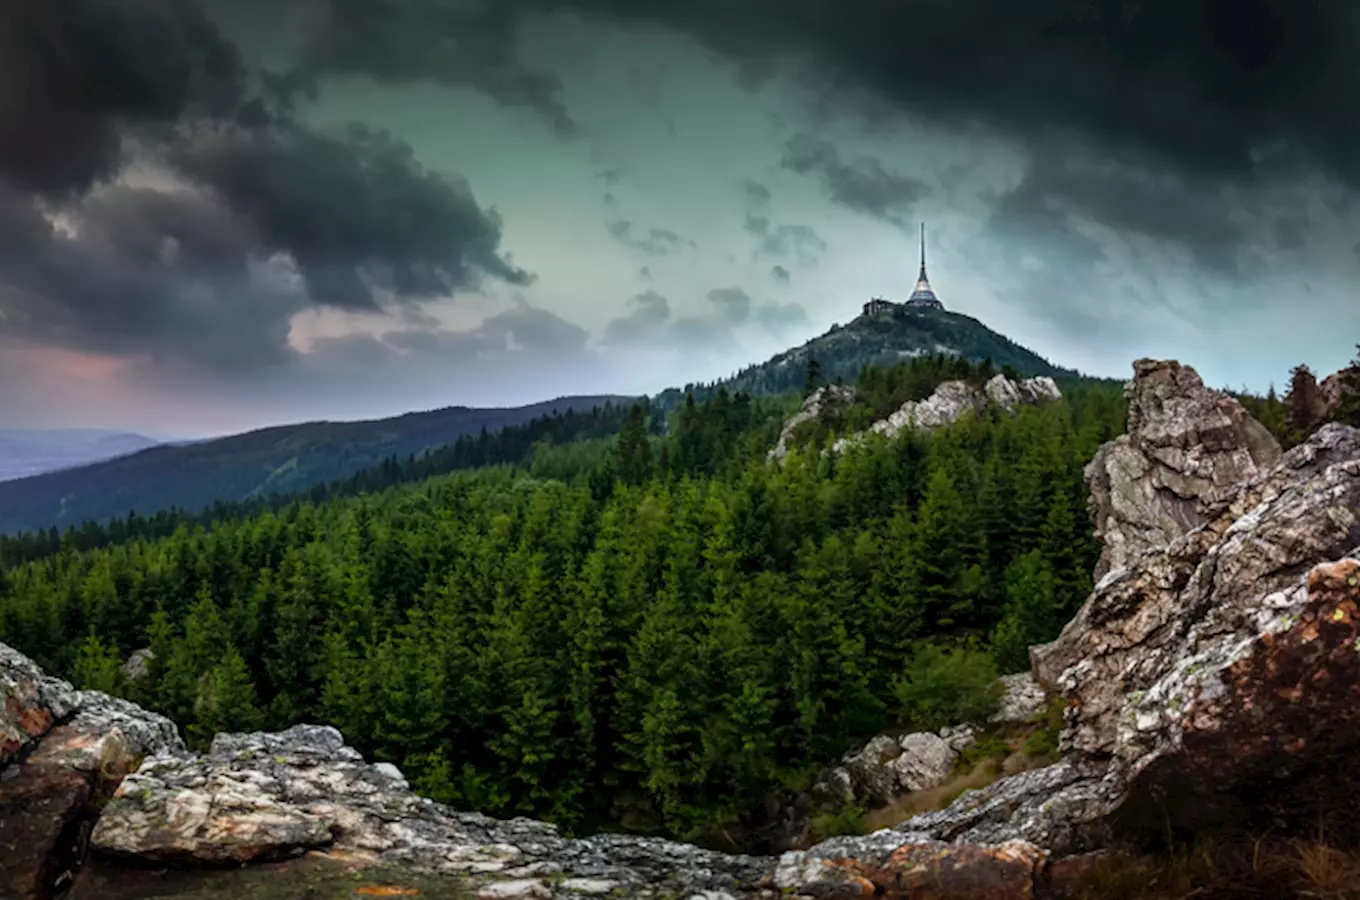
column 818, row 403
column 950, row 402
column 1186, row 446
column 1210, row 679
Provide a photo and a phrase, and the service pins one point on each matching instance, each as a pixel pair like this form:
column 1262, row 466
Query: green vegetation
column 880, row 341
column 945, row 686
column 647, row 633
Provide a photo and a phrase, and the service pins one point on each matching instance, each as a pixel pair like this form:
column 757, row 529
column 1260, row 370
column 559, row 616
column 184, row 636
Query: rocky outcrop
column 1022, row 698
column 953, row 400
column 62, row 751
column 256, row 797
column 950, row 402
column 1186, row 446
column 821, row 402
column 1211, row 679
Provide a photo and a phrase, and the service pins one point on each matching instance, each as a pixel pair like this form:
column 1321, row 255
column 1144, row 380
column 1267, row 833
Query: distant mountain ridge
column 32, row 451
column 194, row 475
column 882, row 338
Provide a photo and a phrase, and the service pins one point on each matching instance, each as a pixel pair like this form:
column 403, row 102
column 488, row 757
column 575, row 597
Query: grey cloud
column 655, row 242
column 355, row 211
column 1198, row 88
column 801, row 242
column 863, row 185
column 189, row 275
column 523, row 330
column 779, row 273
column 461, row 44
column 780, row 317
column 733, row 304
column 1126, row 196
column 755, row 193
column 178, row 279
column 645, row 324
column 645, row 273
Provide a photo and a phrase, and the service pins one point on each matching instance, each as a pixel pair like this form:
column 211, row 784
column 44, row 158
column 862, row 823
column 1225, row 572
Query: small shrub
column 948, row 686
column 848, row 819
column 988, row 746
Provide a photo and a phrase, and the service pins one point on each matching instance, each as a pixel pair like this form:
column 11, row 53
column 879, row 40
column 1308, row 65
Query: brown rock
column 938, row 871
column 45, row 807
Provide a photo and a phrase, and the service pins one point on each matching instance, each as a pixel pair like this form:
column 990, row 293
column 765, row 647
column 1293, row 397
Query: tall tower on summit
column 923, row 297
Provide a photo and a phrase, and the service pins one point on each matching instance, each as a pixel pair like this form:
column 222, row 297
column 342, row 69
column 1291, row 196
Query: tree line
column 645, row 632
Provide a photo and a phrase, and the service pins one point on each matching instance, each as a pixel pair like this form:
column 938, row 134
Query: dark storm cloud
column 862, row 184
column 184, row 274
column 779, row 273
column 654, row 242
column 452, row 42
column 1128, row 196
column 1199, row 87
column 75, row 75
column 353, row 210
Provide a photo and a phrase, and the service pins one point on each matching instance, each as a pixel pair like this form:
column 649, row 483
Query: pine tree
column 634, row 449
column 1031, row 614
column 96, row 667
column 812, row 378
column 226, row 700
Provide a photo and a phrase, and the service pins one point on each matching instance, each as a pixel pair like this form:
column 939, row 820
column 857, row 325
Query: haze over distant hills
column 194, row 475
column 25, row 451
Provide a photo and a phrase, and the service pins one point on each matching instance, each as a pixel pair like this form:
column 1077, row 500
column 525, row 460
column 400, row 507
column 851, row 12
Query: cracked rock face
column 61, row 751
column 1186, row 447
column 830, row 396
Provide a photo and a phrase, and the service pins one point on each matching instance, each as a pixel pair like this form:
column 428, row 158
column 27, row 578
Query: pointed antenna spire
column 923, row 246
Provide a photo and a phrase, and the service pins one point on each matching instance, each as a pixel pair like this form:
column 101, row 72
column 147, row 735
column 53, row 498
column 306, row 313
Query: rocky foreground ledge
column 1211, row 679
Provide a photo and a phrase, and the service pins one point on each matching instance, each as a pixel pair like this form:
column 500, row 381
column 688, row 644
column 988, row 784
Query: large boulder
column 1186, row 447
column 256, row 797
column 1210, row 680
column 62, row 751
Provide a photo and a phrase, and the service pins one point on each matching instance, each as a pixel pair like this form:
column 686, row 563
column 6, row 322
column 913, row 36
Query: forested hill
column 255, row 464
column 880, row 340
column 638, row 632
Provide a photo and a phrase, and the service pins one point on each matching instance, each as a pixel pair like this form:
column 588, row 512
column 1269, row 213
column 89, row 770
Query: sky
column 217, row 215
